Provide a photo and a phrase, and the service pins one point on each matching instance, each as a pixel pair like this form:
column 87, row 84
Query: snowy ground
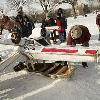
column 84, row 85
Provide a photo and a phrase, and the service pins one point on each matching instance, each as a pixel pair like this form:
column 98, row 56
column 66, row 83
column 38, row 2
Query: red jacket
column 85, row 37
column 59, row 23
column 98, row 19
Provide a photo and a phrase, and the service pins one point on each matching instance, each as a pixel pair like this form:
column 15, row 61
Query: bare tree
column 48, row 5
column 73, row 3
column 16, row 4
column 1, row 9
column 93, row 4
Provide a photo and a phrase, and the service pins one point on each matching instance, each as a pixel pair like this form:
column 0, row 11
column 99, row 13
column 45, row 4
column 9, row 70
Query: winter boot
column 84, row 64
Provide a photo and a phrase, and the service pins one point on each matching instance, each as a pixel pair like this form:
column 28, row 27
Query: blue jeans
column 61, row 37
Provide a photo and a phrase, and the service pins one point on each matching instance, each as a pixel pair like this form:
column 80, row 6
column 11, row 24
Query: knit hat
column 76, row 32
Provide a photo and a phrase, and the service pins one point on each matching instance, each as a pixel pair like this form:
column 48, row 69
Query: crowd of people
column 25, row 25
column 60, row 21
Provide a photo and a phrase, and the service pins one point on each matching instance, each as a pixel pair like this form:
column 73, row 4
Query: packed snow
column 84, row 85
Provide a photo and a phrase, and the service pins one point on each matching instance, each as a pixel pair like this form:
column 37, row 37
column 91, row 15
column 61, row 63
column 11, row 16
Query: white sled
column 71, row 54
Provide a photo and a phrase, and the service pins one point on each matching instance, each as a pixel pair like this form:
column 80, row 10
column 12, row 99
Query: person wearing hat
column 98, row 24
column 79, row 34
column 60, row 12
column 61, row 30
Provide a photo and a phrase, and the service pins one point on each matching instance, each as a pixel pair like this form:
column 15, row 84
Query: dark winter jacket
column 24, row 30
column 18, row 17
column 51, row 22
column 84, row 38
column 64, row 21
column 98, row 20
column 29, row 28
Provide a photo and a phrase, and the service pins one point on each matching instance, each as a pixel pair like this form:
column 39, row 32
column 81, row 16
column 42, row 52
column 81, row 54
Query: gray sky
column 1, row 1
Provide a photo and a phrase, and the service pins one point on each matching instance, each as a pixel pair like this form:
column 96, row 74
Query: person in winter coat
column 64, row 20
column 60, row 11
column 61, row 30
column 19, row 15
column 44, row 23
column 98, row 24
column 45, row 34
column 79, row 34
column 51, row 22
column 28, row 25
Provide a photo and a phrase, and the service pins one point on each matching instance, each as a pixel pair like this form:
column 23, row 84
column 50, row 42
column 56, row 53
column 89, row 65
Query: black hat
column 58, row 14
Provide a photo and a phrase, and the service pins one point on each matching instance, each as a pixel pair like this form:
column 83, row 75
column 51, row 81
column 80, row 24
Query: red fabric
column 83, row 39
column 58, row 50
column 91, row 51
column 49, row 50
column 59, row 23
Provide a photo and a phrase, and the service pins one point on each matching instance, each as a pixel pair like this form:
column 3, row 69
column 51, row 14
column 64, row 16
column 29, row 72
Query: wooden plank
column 67, row 73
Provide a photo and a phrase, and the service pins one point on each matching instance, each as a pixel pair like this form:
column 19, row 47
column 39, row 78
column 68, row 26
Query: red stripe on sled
column 71, row 51
column 58, row 50
column 91, row 51
column 49, row 50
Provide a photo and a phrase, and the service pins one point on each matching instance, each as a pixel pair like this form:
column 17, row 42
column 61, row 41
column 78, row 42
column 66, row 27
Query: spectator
column 98, row 24
column 51, row 22
column 60, row 11
column 19, row 15
column 45, row 34
column 28, row 25
column 64, row 20
column 44, row 23
column 61, row 30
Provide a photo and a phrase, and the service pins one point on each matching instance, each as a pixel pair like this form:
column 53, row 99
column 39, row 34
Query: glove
column 85, row 44
column 98, row 27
